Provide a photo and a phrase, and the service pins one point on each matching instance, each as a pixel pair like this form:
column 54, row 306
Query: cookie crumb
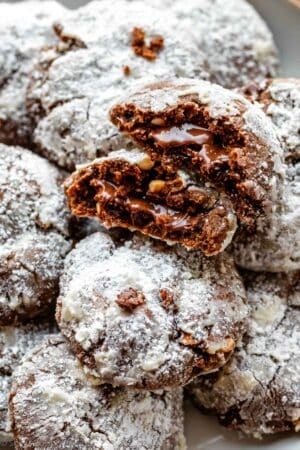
column 130, row 299
column 167, row 300
column 140, row 48
column 126, row 71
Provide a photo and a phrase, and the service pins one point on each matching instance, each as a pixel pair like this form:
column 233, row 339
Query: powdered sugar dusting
column 15, row 342
column 258, row 390
column 24, row 29
column 127, row 347
column 237, row 42
column 33, row 233
column 276, row 246
column 72, row 412
column 81, row 85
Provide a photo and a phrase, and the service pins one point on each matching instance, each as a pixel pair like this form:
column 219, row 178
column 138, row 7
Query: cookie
column 15, row 342
column 258, row 391
column 213, row 160
column 52, row 401
column 276, row 246
column 34, row 240
column 236, row 41
column 100, row 55
column 24, row 29
column 143, row 315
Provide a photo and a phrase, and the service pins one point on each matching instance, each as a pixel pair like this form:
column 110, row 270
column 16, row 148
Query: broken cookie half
column 208, row 159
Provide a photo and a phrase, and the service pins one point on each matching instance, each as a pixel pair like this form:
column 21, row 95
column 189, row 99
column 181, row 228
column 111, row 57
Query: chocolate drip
column 187, row 134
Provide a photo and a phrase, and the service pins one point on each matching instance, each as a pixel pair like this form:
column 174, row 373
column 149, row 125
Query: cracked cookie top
column 258, row 392
column 52, row 401
column 25, row 28
column 77, row 81
column 276, row 246
column 237, row 42
column 144, row 315
column 15, row 342
column 34, row 223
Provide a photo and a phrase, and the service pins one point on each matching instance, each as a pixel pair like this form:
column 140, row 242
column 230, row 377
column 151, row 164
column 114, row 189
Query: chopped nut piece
column 130, row 299
column 158, row 121
column 156, row 185
column 146, row 163
column 225, row 346
column 127, row 71
column 140, row 48
column 167, row 300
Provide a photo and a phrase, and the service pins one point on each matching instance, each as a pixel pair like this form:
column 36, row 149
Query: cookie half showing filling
column 53, row 401
column 128, row 189
column 142, row 314
column 210, row 132
column 258, row 391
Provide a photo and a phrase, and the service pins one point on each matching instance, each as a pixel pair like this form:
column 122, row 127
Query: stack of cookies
column 149, row 224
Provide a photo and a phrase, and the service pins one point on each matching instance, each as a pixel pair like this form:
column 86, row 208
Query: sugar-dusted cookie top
column 33, row 233
column 52, row 401
column 276, row 245
column 105, row 47
column 142, row 314
column 258, row 391
column 25, row 28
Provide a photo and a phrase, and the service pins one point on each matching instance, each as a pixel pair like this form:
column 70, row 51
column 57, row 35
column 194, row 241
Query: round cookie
column 100, row 55
column 236, row 41
column 143, row 315
column 33, row 233
column 15, row 342
column 276, row 246
column 213, row 159
column 258, row 391
column 52, row 401
column 25, row 28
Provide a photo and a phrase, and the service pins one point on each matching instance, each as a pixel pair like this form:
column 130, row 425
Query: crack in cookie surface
column 189, row 314
column 257, row 392
column 75, row 411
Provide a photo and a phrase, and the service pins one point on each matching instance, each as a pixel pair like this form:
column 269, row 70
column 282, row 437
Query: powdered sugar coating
column 15, row 342
column 276, row 246
column 258, row 391
column 74, row 89
column 52, row 401
column 281, row 100
column 5, row 435
column 236, row 41
column 24, row 29
column 33, row 233
column 190, row 311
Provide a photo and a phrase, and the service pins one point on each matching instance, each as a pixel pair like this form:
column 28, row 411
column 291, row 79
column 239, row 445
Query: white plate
column 203, row 432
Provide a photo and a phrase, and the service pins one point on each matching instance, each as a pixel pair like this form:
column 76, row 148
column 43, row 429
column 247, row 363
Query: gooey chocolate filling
column 184, row 138
column 153, row 200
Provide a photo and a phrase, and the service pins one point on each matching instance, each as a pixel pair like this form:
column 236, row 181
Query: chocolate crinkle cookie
column 15, row 342
column 33, row 233
column 236, row 41
column 100, row 54
column 208, row 160
column 258, row 391
column 143, row 315
column 276, row 245
column 25, row 27
column 53, row 405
